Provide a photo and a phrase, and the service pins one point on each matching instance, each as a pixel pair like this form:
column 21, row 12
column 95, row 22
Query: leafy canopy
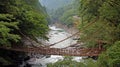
column 23, row 16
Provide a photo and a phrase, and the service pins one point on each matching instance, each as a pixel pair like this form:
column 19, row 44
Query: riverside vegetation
column 20, row 16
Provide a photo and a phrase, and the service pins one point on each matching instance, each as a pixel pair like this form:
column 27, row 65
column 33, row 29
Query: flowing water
column 55, row 35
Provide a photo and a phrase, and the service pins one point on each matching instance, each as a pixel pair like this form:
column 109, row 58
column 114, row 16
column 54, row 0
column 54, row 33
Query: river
column 55, row 35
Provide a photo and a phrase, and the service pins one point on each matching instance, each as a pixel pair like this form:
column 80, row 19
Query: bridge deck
column 59, row 51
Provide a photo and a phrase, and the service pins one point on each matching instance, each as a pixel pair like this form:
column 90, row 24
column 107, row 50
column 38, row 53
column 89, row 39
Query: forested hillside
column 54, row 4
column 20, row 18
column 105, row 16
column 64, row 14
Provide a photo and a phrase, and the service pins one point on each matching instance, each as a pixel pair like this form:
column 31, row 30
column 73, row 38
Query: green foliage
column 30, row 18
column 34, row 24
column 106, row 16
column 89, row 9
column 110, row 11
column 67, row 17
column 112, row 56
column 68, row 62
column 65, row 14
column 7, row 26
column 19, row 18
column 99, row 30
column 106, row 28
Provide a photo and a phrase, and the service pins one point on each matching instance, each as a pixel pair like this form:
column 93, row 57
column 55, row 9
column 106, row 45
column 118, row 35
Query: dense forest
column 64, row 14
column 56, row 8
column 20, row 19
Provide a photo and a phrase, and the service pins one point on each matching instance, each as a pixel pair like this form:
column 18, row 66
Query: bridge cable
column 74, row 33
column 92, row 34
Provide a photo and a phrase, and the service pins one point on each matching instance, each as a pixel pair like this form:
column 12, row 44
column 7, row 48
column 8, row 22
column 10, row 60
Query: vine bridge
column 46, row 50
column 59, row 51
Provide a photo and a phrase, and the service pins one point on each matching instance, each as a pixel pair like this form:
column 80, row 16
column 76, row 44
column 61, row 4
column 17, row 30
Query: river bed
column 55, row 35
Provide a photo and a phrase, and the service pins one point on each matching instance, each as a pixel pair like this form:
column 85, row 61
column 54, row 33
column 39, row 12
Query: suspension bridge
column 46, row 50
column 59, row 51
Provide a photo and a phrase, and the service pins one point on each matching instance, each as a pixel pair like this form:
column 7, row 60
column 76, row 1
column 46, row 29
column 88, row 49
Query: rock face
column 70, row 30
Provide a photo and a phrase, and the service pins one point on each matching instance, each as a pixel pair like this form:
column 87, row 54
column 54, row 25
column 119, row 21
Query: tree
column 100, row 13
column 89, row 9
column 31, row 20
column 106, row 27
column 68, row 62
column 7, row 27
column 110, row 11
column 19, row 18
column 64, row 15
column 112, row 56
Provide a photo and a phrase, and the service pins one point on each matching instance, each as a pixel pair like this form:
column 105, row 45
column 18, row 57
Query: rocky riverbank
column 70, row 30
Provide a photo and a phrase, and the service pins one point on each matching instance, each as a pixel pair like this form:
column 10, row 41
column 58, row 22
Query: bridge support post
column 100, row 45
